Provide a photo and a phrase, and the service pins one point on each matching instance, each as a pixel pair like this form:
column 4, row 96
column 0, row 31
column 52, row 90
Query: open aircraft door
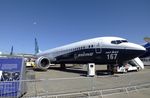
column 98, row 48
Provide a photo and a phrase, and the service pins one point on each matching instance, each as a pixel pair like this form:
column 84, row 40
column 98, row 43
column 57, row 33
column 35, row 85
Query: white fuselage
column 99, row 50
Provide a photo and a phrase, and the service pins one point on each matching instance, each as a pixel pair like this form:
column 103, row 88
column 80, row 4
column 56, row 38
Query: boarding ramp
column 137, row 62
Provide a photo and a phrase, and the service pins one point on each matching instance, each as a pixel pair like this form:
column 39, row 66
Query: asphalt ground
column 74, row 79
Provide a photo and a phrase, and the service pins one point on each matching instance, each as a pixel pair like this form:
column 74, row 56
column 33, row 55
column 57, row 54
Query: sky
column 58, row 22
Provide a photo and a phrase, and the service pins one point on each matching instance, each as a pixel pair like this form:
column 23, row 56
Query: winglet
column 12, row 50
column 36, row 47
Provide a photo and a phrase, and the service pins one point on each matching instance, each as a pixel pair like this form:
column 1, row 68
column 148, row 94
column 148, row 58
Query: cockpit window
column 118, row 41
column 113, row 42
column 124, row 41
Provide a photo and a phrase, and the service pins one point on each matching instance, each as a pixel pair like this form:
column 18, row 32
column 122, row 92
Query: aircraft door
column 98, row 48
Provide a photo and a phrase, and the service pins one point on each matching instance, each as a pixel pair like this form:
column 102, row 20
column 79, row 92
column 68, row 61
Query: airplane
column 12, row 54
column 7, row 54
column 100, row 50
column 147, row 53
column 146, row 56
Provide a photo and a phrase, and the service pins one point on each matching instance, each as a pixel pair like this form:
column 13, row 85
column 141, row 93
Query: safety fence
column 77, row 87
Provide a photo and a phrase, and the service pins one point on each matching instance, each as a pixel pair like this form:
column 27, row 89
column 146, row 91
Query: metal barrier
column 71, row 88
column 12, row 89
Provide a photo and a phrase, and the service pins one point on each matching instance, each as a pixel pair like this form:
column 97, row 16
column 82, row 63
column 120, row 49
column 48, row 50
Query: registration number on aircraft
column 112, row 55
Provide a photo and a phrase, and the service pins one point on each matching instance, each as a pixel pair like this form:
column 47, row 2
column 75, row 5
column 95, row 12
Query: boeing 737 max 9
column 101, row 50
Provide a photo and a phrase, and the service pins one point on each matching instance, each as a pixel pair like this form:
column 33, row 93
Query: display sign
column 12, row 71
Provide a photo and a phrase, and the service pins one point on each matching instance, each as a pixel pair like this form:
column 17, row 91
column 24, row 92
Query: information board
column 12, row 72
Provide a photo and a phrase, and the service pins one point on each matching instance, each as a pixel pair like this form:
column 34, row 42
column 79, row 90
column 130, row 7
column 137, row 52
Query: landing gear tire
column 111, row 72
column 138, row 69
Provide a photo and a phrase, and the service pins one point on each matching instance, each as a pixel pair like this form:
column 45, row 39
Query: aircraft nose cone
column 138, row 50
column 134, row 50
column 141, row 49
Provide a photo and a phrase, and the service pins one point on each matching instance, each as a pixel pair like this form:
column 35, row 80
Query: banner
column 11, row 72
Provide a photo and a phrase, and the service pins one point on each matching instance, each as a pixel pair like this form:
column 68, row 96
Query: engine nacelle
column 42, row 63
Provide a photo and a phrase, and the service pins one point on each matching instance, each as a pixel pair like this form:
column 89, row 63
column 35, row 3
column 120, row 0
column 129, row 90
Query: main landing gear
column 63, row 66
column 110, row 69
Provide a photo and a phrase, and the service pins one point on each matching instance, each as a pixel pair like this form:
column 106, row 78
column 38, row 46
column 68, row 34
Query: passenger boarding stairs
column 136, row 62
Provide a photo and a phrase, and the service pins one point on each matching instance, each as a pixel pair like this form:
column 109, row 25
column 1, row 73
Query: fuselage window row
column 75, row 49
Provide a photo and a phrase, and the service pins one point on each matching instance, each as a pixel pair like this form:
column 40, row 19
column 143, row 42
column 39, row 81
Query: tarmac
column 74, row 83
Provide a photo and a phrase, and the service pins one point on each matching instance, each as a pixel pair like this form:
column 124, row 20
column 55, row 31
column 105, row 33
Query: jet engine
column 42, row 63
